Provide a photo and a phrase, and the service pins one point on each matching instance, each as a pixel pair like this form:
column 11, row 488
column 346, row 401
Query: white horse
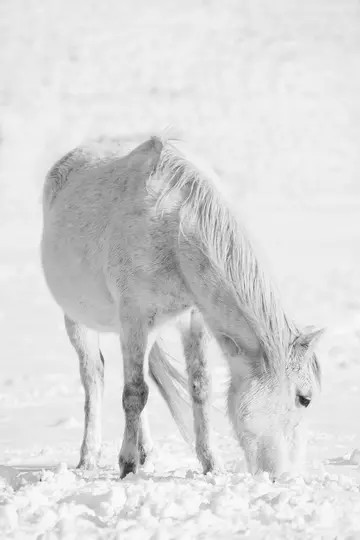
column 134, row 240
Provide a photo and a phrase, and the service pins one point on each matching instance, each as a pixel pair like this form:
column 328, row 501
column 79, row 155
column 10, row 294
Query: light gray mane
column 201, row 208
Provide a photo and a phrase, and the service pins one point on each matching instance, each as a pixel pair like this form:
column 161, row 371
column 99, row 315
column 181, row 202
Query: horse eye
column 304, row 401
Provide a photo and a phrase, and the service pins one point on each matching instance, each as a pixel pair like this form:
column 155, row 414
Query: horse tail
column 173, row 387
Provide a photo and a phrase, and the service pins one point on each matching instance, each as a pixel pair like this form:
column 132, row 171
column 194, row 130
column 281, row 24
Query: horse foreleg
column 86, row 344
column 193, row 339
column 135, row 393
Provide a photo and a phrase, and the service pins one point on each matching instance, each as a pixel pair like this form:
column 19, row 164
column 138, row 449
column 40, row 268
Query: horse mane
column 201, row 208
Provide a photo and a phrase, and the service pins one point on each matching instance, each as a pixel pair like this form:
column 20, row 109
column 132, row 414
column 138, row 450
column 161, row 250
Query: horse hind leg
column 193, row 339
column 86, row 344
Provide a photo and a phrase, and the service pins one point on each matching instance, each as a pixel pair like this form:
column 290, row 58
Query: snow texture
column 268, row 92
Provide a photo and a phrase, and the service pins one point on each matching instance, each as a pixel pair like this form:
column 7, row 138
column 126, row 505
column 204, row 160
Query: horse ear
column 308, row 341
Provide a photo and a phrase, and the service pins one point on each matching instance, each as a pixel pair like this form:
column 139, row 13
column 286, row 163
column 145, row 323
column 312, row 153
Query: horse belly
column 78, row 288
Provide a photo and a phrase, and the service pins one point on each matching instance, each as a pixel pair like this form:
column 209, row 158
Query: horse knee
column 134, row 397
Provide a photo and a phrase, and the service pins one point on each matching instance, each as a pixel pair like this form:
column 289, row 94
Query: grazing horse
column 134, row 240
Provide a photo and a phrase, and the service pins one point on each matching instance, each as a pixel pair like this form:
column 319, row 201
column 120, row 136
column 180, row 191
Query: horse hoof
column 127, row 467
column 209, row 466
column 87, row 465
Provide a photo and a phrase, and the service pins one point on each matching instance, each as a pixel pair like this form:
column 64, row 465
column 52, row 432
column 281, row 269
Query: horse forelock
column 225, row 242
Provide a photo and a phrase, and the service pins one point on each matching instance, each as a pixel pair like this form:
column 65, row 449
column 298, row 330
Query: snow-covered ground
column 269, row 93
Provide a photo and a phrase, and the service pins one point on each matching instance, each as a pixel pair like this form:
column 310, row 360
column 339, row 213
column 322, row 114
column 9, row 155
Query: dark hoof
column 209, row 466
column 127, row 467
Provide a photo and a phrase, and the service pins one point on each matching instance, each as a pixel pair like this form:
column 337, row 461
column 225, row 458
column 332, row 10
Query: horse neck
column 216, row 299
